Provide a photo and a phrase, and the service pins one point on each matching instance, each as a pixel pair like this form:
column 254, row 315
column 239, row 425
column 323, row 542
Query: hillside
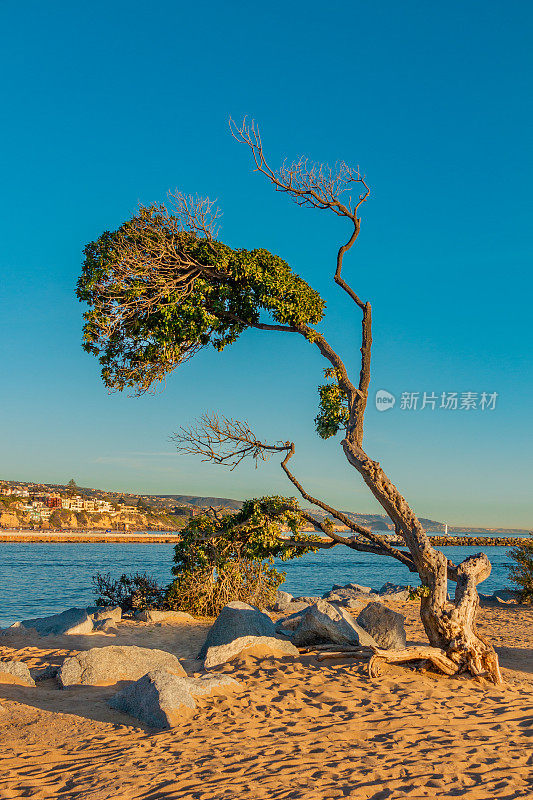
column 13, row 517
column 174, row 509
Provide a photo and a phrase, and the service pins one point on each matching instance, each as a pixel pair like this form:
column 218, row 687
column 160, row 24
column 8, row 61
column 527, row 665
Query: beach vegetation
column 521, row 571
column 133, row 592
column 225, row 557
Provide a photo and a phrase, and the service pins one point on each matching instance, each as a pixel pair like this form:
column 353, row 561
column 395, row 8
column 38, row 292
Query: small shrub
column 418, row 592
column 133, row 592
column 222, row 558
column 521, row 572
column 205, row 592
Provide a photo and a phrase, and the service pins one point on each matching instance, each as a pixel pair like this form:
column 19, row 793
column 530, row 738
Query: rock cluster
column 325, row 622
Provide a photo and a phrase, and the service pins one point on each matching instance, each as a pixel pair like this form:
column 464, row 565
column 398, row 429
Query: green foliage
column 147, row 316
column 418, row 592
column 231, row 558
column 521, row 572
column 333, row 407
column 133, row 592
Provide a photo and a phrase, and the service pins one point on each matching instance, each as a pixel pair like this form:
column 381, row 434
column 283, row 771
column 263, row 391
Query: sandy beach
column 299, row 728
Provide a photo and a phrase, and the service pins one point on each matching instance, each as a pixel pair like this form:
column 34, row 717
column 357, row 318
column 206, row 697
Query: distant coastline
column 83, row 508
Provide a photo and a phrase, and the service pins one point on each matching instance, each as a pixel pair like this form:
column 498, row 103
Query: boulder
column 104, row 666
column 50, row 671
column 343, row 600
column 288, row 624
column 105, row 626
column 296, row 606
column 394, row 591
column 353, row 588
column 263, row 646
column 15, row 672
column 308, row 600
column 324, row 622
column 99, row 613
column 282, row 601
column 384, row 625
column 162, row 700
column 352, row 604
column 507, row 595
column 352, row 591
column 154, row 615
column 72, row 621
column 235, row 621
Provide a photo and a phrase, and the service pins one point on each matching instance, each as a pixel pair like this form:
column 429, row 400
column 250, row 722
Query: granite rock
column 15, row 672
column 69, row 622
column 104, row 666
column 162, row 700
column 384, row 625
column 235, row 621
column 325, row 622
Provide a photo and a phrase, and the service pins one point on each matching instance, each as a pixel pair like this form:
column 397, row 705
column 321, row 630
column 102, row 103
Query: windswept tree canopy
column 159, row 291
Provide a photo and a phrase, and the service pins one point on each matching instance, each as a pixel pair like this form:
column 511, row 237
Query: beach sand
column 299, row 728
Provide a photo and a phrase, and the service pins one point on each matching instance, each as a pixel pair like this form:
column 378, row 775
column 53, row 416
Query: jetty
column 171, row 537
column 89, row 536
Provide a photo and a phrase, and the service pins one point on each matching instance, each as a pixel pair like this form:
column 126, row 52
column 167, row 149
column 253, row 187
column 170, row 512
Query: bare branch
column 224, row 441
column 377, row 540
column 323, row 187
column 306, row 182
column 196, row 213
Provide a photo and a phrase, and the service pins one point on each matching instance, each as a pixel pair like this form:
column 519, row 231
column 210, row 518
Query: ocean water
column 37, row 579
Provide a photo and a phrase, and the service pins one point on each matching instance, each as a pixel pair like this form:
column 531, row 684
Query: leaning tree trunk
column 450, row 626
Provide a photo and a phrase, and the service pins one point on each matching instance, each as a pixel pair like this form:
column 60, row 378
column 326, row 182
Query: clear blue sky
column 108, row 104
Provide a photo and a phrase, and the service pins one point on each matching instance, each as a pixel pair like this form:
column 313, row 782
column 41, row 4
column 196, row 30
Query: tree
column 162, row 287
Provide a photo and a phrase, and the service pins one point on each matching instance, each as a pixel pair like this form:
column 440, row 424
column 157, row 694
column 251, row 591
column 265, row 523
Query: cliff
column 70, row 520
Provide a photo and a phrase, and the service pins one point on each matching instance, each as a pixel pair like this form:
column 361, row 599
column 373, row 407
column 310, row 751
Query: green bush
column 521, row 572
column 228, row 557
column 133, row 592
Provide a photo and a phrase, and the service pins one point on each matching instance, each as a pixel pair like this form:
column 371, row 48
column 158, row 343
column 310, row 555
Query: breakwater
column 444, row 541
column 477, row 541
column 87, row 536
column 166, row 537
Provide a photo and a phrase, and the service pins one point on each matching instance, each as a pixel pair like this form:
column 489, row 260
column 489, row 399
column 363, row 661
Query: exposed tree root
column 480, row 665
column 437, row 657
column 359, row 653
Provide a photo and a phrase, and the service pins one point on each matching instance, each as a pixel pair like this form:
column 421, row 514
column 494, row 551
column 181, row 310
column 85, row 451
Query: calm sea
column 40, row 579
